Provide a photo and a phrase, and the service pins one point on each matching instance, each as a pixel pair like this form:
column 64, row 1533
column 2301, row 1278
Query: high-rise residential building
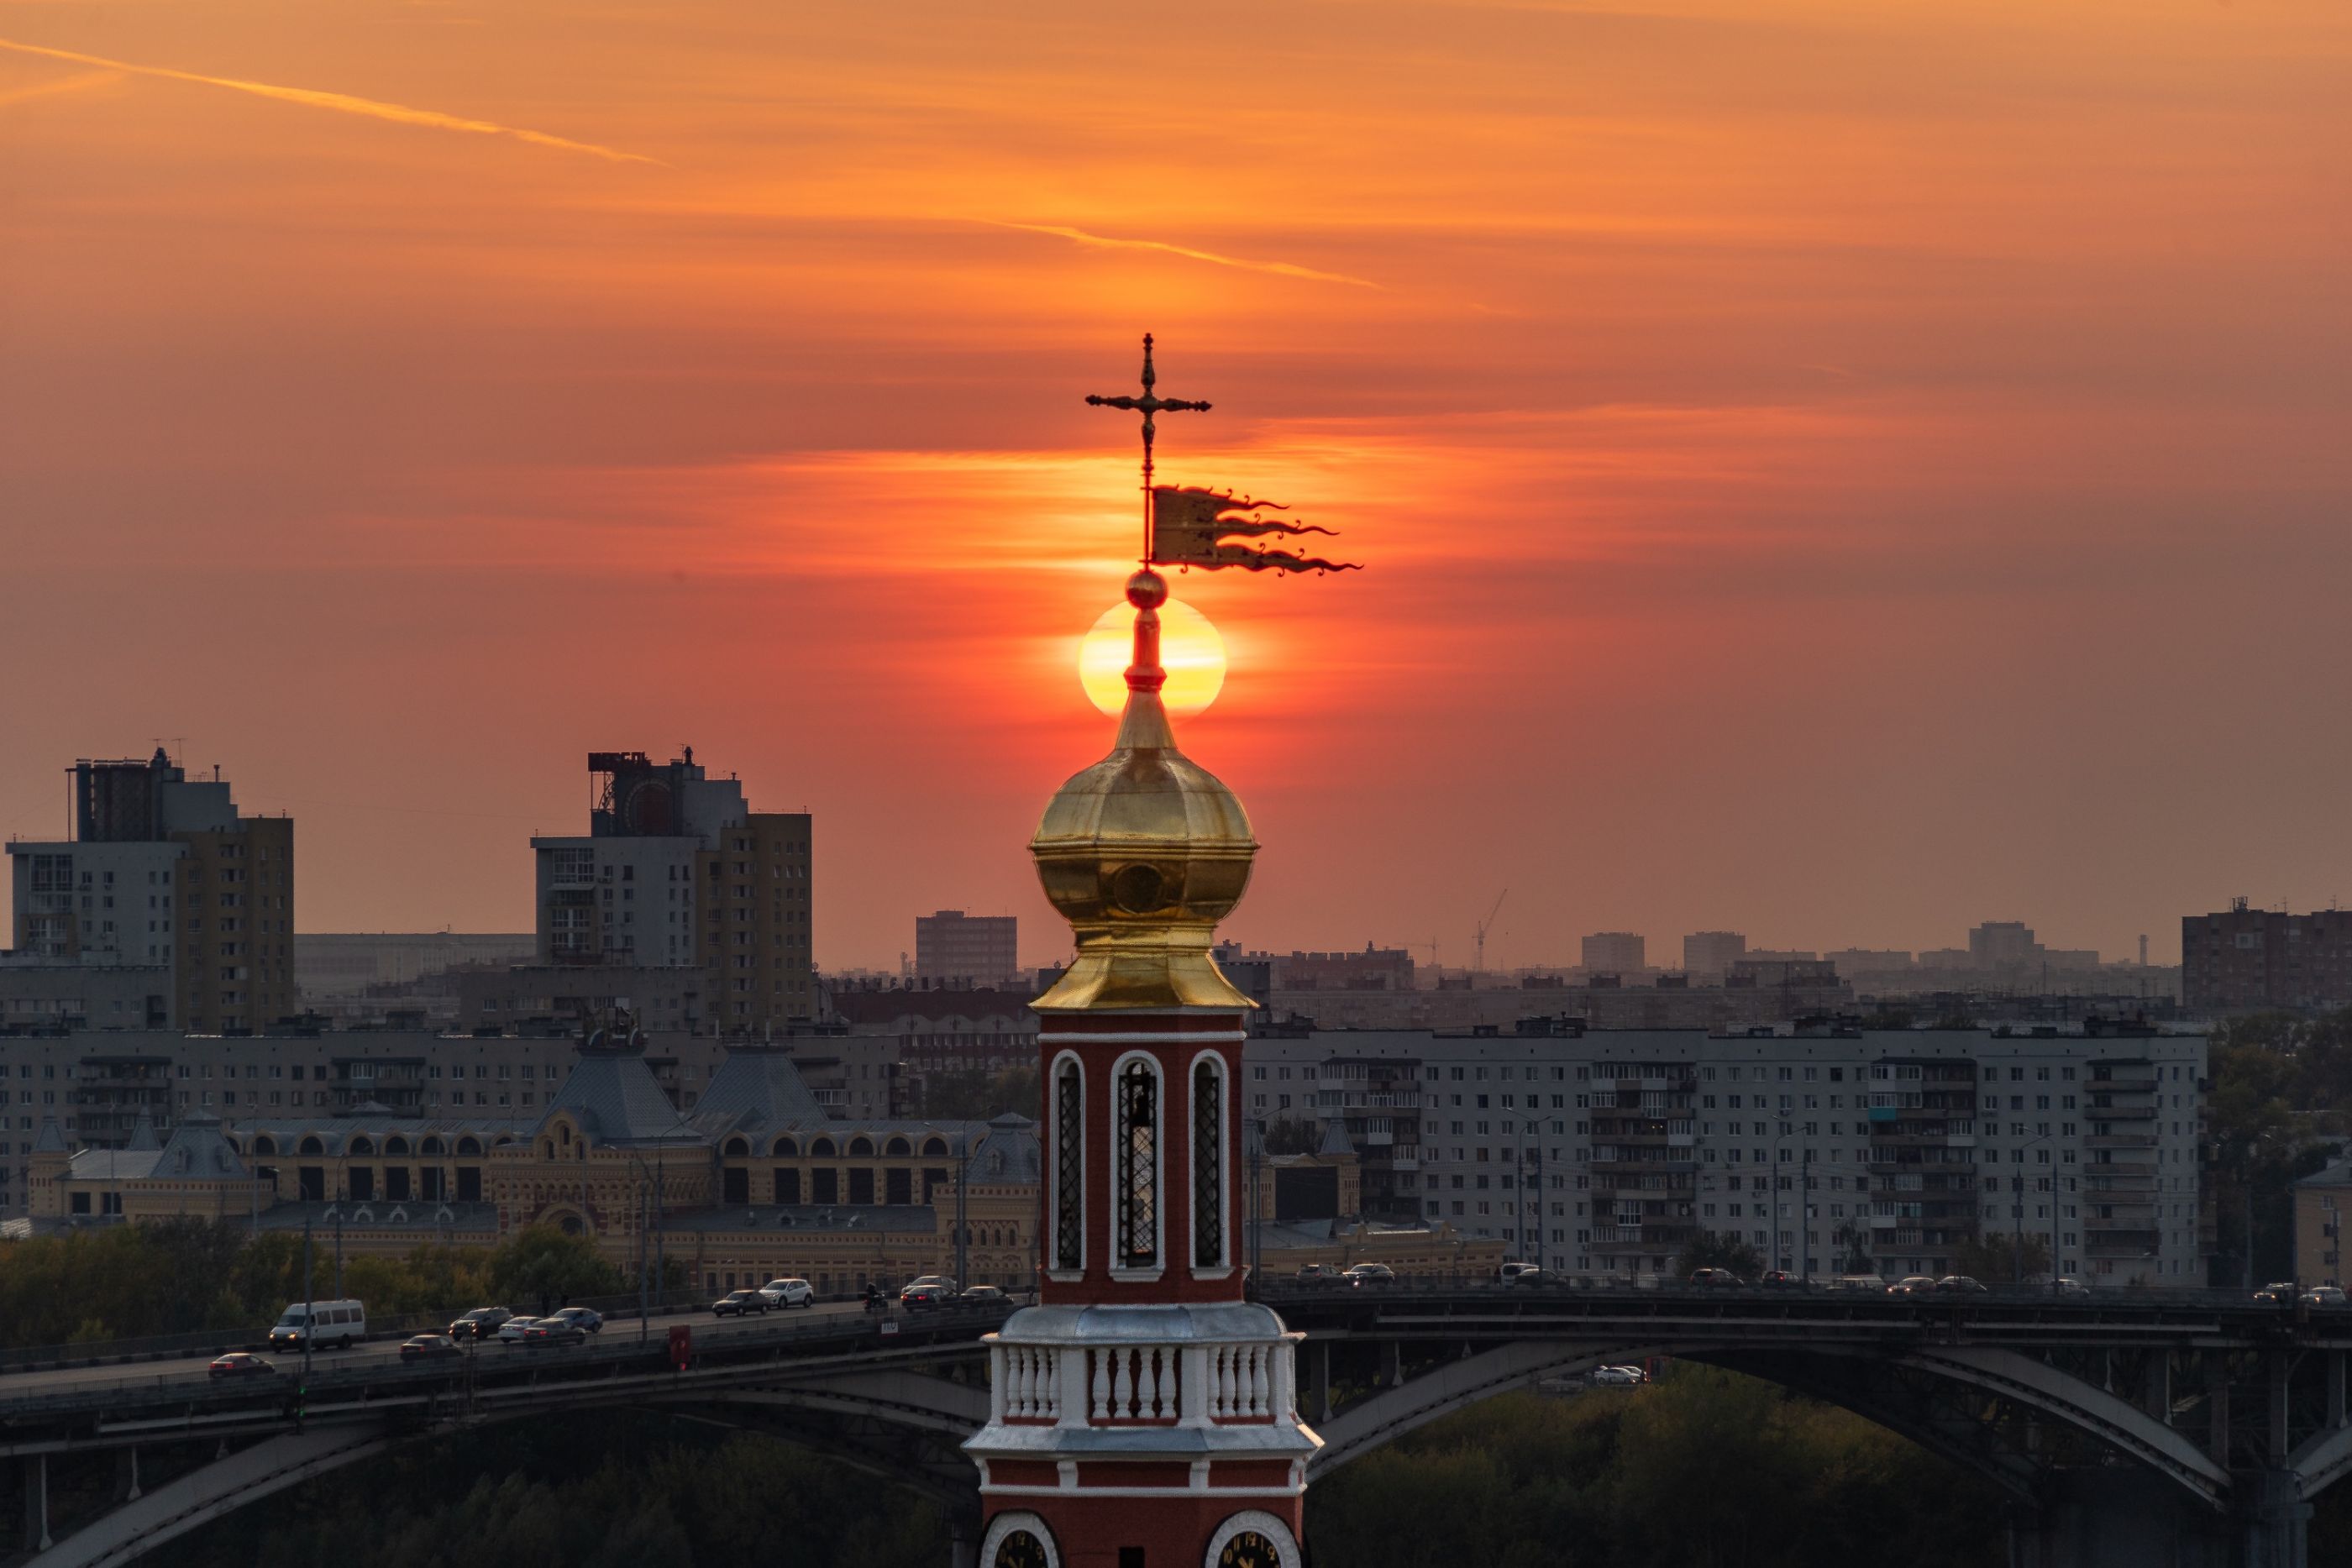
column 2240, row 958
column 1613, row 953
column 954, row 948
column 163, row 873
column 1712, row 953
column 677, row 872
column 1827, row 1149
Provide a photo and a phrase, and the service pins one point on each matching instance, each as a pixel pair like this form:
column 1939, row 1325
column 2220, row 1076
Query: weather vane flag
column 1189, row 526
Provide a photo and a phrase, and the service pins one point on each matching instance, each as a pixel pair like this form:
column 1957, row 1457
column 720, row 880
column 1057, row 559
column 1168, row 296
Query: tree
column 1853, row 1251
column 1292, row 1137
column 2001, row 1259
column 540, row 1264
column 1718, row 1250
column 978, row 1095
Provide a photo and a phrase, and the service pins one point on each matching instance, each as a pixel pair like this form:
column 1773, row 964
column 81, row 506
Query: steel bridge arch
column 2004, row 1373
column 903, row 1426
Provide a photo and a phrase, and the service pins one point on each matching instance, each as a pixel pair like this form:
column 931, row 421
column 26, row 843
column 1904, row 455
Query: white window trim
column 1054, row 1173
column 1118, row 1152
column 1224, row 1266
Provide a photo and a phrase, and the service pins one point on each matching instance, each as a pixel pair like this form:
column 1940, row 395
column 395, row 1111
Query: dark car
column 735, row 1303
column 428, row 1347
column 1958, row 1285
column 553, row 1331
column 482, row 1323
column 982, row 1296
column 1714, row 1277
column 587, row 1320
column 1320, row 1274
column 922, row 1297
column 1911, row 1285
column 2279, row 1294
column 1364, row 1274
column 1781, row 1276
column 241, row 1363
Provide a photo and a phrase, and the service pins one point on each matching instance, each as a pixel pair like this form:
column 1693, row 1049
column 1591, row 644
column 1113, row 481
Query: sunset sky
column 1839, row 470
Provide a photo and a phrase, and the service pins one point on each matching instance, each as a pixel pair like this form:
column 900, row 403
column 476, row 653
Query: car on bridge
column 587, row 1320
column 428, row 1347
column 789, row 1292
column 1959, row 1285
column 983, row 1296
column 920, row 1297
column 241, row 1363
column 740, row 1304
column 1777, row 1277
column 321, row 1324
column 482, row 1323
column 1517, row 1273
column 1364, row 1274
column 1711, row 1276
column 1320, row 1274
column 2067, row 1285
column 929, row 1282
column 1875, row 1285
column 551, row 1331
column 511, row 1331
column 2278, row 1293
column 1912, row 1285
column 2324, row 1296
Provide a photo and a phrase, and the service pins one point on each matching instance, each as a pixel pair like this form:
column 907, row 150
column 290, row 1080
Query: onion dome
column 1143, row 853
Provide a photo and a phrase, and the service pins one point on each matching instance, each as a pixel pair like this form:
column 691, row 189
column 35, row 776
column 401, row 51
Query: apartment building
column 953, row 948
column 163, row 876
column 1614, row 953
column 2243, row 961
column 2321, row 1201
column 677, row 872
column 1605, row 1152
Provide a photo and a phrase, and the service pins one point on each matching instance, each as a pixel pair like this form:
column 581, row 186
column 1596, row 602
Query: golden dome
column 1143, row 853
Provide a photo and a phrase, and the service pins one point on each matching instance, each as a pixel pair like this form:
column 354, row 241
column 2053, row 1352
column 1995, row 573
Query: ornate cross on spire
column 1150, row 403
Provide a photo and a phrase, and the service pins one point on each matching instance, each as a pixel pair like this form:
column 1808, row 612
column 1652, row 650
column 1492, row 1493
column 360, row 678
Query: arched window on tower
column 1208, row 1165
column 1069, row 1166
column 1135, row 1179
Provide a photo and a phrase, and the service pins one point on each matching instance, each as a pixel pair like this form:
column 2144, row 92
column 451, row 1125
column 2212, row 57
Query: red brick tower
column 1143, row 1412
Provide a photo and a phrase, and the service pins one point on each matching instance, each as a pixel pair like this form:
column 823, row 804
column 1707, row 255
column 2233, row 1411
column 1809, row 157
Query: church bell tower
column 1143, row 1412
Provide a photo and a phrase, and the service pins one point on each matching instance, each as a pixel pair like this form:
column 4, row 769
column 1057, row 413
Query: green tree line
column 178, row 1276
column 614, row 1489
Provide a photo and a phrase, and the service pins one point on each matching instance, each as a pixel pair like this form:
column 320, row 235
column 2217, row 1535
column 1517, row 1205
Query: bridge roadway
column 2190, row 1427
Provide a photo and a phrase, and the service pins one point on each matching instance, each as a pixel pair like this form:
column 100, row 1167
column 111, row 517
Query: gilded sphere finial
column 1147, row 590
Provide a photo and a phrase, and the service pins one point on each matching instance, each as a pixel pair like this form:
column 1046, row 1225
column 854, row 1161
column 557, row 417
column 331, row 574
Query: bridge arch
column 1857, row 1380
column 905, row 1426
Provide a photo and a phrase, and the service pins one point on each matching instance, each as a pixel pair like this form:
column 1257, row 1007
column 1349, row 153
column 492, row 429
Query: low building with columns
column 753, row 1181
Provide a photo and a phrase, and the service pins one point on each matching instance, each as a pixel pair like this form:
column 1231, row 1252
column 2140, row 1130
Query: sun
column 1189, row 651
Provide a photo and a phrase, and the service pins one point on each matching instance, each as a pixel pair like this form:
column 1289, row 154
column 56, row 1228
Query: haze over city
column 1840, row 476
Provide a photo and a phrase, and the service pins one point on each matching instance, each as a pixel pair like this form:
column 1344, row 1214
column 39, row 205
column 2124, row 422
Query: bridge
column 2191, row 1428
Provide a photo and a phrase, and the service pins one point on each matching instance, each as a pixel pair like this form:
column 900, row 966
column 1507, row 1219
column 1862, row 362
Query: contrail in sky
column 1281, row 268
column 342, row 103
column 59, row 88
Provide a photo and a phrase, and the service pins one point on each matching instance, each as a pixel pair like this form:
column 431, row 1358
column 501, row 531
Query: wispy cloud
column 342, row 103
column 1279, row 269
column 80, row 82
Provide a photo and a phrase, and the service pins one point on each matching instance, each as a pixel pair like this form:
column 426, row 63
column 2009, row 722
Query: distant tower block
column 1144, row 1411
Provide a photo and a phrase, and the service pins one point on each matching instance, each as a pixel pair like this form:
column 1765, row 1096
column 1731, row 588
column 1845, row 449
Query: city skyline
column 1830, row 475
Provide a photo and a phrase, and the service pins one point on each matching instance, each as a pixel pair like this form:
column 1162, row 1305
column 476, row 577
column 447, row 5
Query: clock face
column 1249, row 1550
column 1020, row 1549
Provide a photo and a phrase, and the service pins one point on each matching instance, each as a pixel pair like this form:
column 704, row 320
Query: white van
column 328, row 1325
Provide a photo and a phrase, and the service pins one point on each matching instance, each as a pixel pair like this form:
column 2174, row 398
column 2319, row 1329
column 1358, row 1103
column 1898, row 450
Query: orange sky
column 1839, row 470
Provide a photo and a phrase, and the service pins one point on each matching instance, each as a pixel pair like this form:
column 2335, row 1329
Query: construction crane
column 1478, row 964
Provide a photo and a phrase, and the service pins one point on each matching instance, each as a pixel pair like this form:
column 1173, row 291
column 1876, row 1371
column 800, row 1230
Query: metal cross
column 1150, row 403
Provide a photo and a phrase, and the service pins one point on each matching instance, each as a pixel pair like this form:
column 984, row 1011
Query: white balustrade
column 1237, row 1382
